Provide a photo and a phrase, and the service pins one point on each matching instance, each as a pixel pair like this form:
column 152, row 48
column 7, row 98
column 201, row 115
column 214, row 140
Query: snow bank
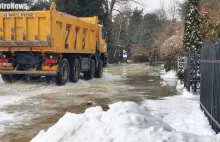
column 186, row 94
column 179, row 85
column 123, row 122
column 170, row 75
column 182, row 113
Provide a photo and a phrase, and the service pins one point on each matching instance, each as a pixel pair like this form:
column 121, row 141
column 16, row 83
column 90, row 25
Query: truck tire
column 75, row 71
column 90, row 74
column 7, row 78
column 99, row 70
column 63, row 72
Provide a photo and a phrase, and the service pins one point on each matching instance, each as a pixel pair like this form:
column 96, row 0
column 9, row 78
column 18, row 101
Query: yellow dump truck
column 51, row 44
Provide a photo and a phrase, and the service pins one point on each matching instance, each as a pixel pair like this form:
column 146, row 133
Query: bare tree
column 110, row 7
column 173, row 10
column 163, row 10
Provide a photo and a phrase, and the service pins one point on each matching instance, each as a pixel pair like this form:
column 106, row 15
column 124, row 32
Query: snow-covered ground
column 181, row 112
column 172, row 119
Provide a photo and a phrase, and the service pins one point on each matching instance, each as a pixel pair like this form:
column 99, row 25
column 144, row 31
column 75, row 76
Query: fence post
column 195, row 69
column 212, row 92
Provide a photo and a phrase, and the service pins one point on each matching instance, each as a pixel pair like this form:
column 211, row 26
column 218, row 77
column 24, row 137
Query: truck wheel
column 75, row 71
column 99, row 70
column 90, row 73
column 7, row 78
column 63, row 72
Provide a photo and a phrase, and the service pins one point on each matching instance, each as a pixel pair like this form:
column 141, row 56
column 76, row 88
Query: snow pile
column 123, row 122
column 182, row 113
column 170, row 75
column 179, row 85
column 187, row 95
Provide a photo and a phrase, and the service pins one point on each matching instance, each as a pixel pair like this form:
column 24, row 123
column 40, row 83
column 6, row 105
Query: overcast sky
column 151, row 5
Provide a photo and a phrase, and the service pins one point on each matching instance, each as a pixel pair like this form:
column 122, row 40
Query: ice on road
column 23, row 92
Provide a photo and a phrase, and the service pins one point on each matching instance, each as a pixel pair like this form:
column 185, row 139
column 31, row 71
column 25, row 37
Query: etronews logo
column 12, row 5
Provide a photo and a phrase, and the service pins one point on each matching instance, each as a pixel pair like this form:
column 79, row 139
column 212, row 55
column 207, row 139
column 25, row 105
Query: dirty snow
column 181, row 112
column 170, row 75
column 123, row 122
column 169, row 78
column 108, row 76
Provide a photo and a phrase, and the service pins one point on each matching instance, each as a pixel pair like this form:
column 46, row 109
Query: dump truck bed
column 47, row 32
column 20, row 31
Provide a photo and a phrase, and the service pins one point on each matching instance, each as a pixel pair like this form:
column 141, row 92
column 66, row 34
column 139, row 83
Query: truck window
column 76, row 36
column 84, row 39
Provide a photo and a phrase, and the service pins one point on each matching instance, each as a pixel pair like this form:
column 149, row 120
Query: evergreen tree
column 134, row 27
column 192, row 40
column 91, row 8
column 82, row 8
column 67, row 6
column 192, row 36
column 149, row 25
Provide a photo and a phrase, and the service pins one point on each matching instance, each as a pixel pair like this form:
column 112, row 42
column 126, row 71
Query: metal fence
column 191, row 71
column 210, row 83
column 187, row 70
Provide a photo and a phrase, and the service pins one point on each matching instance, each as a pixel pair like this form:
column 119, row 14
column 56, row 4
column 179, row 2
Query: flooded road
column 27, row 108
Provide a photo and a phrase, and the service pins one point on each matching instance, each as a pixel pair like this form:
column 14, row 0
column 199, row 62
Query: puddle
column 42, row 106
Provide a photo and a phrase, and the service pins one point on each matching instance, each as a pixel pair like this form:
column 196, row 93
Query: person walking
column 151, row 60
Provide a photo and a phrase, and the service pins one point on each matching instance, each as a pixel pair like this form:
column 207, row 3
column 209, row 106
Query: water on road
column 28, row 107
